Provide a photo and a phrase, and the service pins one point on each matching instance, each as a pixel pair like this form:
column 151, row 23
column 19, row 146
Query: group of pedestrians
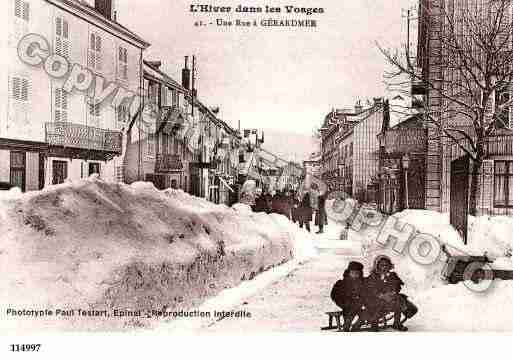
column 301, row 209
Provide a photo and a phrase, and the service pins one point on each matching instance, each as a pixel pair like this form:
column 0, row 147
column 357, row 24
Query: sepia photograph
column 318, row 168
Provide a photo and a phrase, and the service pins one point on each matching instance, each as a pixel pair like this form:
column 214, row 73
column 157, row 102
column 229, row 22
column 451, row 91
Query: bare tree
column 474, row 77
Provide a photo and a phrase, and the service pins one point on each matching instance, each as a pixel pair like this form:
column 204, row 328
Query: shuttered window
column 150, row 149
column 123, row 63
column 22, row 10
column 503, row 184
column 61, row 105
column 94, row 109
column 62, row 43
column 122, row 113
column 94, row 57
column 20, row 88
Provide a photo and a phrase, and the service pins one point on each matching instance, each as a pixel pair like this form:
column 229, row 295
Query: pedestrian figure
column 320, row 213
column 295, row 207
column 305, row 212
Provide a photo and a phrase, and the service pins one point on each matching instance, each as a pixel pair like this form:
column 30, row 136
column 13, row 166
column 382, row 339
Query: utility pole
column 193, row 83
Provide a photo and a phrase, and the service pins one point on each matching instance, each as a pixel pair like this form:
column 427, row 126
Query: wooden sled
column 383, row 323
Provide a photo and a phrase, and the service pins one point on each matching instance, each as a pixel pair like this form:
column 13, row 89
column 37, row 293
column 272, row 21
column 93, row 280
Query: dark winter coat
column 377, row 284
column 260, row 204
column 320, row 214
column 347, row 293
column 295, row 209
column 304, row 210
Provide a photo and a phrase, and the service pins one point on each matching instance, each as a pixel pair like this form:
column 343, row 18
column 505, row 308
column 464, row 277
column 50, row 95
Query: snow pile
column 456, row 307
column 491, row 235
column 484, row 237
column 444, row 307
column 95, row 245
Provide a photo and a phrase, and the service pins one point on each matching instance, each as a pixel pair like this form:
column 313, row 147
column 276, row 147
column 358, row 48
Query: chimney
column 156, row 64
column 358, row 107
column 186, row 75
column 105, row 7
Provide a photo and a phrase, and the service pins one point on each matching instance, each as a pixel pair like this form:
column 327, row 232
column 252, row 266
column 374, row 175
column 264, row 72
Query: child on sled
column 383, row 287
column 347, row 293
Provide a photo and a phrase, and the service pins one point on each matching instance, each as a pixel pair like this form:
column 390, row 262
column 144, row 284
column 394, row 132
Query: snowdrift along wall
column 100, row 246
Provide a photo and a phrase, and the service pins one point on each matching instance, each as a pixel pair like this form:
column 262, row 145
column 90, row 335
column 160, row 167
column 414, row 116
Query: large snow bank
column 96, row 245
column 490, row 235
column 456, row 308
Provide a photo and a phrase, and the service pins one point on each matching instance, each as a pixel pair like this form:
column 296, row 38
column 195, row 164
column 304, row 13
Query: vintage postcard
column 179, row 166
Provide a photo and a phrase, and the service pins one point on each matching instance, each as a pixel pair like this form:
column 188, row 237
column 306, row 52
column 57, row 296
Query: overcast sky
column 281, row 78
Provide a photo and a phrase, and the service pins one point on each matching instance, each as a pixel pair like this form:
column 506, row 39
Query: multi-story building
column 350, row 148
column 219, row 156
column 156, row 151
column 365, row 152
column 174, row 144
column 55, row 124
column 401, row 177
column 312, row 165
column 329, row 147
column 345, row 152
column 448, row 167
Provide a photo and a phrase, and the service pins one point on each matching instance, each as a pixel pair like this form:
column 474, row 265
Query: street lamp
column 406, row 165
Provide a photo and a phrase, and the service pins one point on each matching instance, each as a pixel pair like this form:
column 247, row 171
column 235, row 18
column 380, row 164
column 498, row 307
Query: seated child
column 383, row 287
column 347, row 293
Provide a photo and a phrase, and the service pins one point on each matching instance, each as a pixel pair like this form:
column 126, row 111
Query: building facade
column 365, row 154
column 401, row 176
column 445, row 159
column 52, row 125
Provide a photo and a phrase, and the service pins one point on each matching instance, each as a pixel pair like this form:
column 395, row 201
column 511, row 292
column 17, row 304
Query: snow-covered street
column 299, row 301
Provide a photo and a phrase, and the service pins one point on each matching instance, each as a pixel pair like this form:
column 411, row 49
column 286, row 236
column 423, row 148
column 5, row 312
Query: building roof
column 152, row 71
column 85, row 9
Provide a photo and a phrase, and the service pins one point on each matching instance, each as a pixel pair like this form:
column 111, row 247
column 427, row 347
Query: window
column 61, row 105
column 59, row 171
column 503, row 184
column 502, row 96
column 119, row 173
column 94, row 57
column 176, row 99
column 17, row 170
column 122, row 113
column 20, row 88
column 175, row 146
column 62, row 43
column 165, row 143
column 153, row 88
column 163, row 95
column 94, row 109
column 150, row 140
column 22, row 10
column 94, row 167
column 123, row 63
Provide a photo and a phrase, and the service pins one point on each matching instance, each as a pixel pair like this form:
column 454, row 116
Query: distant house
column 366, row 147
column 402, row 160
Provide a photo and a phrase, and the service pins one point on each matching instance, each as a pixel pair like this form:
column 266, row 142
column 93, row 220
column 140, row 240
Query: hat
column 379, row 259
column 355, row 266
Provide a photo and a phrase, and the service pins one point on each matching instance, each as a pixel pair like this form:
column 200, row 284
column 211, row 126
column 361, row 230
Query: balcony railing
column 168, row 163
column 501, row 144
column 84, row 137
